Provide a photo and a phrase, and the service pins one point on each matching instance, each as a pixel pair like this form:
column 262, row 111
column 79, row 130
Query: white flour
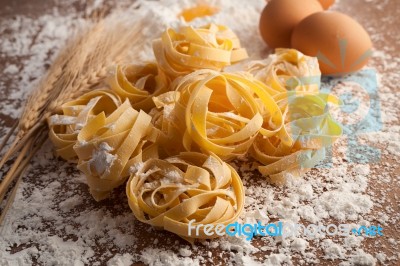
column 54, row 220
column 102, row 160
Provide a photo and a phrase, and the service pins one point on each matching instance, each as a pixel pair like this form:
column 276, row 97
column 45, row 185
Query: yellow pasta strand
column 64, row 128
column 210, row 47
column 311, row 129
column 170, row 193
column 109, row 145
column 287, row 70
column 216, row 112
column 138, row 83
column 293, row 80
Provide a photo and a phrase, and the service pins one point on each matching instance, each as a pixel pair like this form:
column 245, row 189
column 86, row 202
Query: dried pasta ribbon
column 168, row 194
column 169, row 119
column 210, row 47
column 138, row 83
column 312, row 129
column 64, row 128
column 287, row 70
column 218, row 112
column 109, row 145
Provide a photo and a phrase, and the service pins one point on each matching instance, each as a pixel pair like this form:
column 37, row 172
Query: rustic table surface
column 73, row 228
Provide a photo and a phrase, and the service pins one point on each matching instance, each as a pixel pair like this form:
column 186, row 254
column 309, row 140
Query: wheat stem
column 10, row 199
column 7, row 137
column 5, row 183
column 19, row 171
column 19, row 142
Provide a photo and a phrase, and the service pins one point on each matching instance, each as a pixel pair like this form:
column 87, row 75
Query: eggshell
column 279, row 18
column 326, row 3
column 341, row 44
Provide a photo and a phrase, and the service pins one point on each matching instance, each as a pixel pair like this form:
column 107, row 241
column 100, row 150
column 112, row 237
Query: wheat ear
column 81, row 66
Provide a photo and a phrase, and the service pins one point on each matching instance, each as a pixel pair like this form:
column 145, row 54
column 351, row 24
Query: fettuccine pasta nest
column 138, row 84
column 179, row 53
column 64, row 128
column 293, row 80
column 311, row 130
column 168, row 194
column 108, row 146
column 287, row 70
column 218, row 112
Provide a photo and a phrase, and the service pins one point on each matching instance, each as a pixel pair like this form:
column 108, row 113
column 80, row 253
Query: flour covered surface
column 54, row 220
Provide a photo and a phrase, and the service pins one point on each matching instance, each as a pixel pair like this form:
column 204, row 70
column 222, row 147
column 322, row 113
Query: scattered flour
column 121, row 260
column 54, row 220
column 102, row 159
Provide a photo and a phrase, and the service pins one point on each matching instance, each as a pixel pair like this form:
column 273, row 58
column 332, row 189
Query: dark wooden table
column 96, row 235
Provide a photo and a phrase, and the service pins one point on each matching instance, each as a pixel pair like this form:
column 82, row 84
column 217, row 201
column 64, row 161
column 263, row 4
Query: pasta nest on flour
column 138, row 83
column 179, row 53
column 293, row 81
column 64, row 128
column 105, row 136
column 217, row 112
column 170, row 193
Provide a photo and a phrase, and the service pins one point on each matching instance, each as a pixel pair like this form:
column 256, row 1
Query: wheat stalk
column 82, row 65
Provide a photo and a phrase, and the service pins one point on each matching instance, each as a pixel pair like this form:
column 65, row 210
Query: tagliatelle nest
column 170, row 193
column 107, row 146
column 138, row 84
column 311, row 129
column 218, row 112
column 286, row 70
column 64, row 128
column 210, row 47
column 293, row 81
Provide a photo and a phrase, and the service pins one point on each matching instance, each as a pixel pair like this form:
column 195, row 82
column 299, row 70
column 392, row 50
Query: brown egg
column 279, row 18
column 341, row 44
column 326, row 3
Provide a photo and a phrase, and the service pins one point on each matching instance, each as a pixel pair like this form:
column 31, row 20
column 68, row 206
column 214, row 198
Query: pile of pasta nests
column 171, row 126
